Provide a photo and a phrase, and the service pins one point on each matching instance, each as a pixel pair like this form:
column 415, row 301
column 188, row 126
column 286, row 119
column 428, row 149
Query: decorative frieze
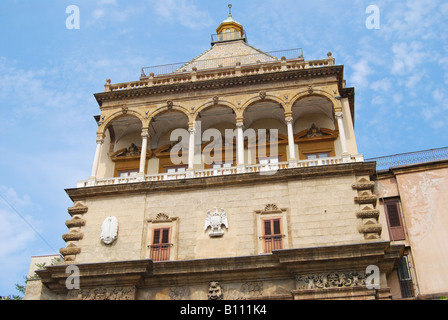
column 331, row 280
column 103, row 293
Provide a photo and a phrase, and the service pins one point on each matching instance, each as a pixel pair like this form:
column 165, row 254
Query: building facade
column 235, row 175
column 411, row 202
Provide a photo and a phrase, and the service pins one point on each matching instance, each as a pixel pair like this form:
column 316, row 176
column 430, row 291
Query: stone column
column 96, row 160
column 191, row 148
column 145, row 136
column 240, row 142
column 292, row 151
column 339, row 117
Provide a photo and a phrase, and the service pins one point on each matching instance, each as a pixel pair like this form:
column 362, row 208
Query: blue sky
column 48, row 75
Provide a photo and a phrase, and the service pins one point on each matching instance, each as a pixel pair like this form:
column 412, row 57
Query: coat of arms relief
column 215, row 221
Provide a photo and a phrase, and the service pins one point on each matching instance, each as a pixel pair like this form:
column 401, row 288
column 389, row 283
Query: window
column 393, row 215
column 272, row 235
column 320, row 155
column 127, row 173
column 404, row 276
column 176, row 169
column 222, row 165
column 160, row 247
column 269, row 160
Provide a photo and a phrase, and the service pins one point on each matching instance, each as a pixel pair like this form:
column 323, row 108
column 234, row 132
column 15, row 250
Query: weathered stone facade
column 301, row 220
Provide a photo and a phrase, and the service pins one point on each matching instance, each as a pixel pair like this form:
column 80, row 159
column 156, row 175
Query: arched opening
column 315, row 128
column 169, row 142
column 217, row 125
column 124, row 141
column 266, row 133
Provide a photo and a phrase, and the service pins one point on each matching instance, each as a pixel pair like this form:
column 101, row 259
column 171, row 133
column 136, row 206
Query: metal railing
column 384, row 163
column 160, row 252
column 274, row 242
column 244, row 60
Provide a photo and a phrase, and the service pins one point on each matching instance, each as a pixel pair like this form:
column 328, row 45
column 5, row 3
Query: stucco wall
column 423, row 196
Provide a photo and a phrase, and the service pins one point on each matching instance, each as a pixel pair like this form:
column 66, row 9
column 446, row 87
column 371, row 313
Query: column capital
column 240, row 124
column 339, row 115
column 145, row 133
column 289, row 120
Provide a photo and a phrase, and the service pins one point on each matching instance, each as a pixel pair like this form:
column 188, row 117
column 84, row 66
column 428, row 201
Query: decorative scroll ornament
column 109, row 230
column 215, row 221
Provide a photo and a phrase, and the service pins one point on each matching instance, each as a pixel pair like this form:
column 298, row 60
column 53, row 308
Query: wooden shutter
column 272, row 237
column 394, row 220
column 160, row 248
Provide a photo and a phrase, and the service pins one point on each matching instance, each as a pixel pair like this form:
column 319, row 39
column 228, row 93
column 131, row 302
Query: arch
column 211, row 104
column 263, row 97
column 119, row 114
column 304, row 93
column 166, row 108
column 323, row 105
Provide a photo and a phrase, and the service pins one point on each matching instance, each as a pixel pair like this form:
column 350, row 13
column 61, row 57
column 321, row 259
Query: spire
column 230, row 29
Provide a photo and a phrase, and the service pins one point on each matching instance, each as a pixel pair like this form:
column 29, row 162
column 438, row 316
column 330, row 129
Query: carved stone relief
column 109, row 230
column 215, row 291
column 180, row 293
column 215, row 221
column 331, row 280
column 103, row 293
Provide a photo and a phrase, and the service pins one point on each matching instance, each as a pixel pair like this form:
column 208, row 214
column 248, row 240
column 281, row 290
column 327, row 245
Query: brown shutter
column 267, row 227
column 396, row 229
column 156, row 238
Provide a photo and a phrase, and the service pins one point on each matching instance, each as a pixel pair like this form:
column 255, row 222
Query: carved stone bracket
column 75, row 222
column 78, row 209
column 73, row 236
column 368, row 214
column 74, row 225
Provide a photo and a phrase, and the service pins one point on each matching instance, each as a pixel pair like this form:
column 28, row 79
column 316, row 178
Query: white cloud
column 361, row 72
column 16, row 236
column 184, row 13
column 382, row 85
column 407, row 56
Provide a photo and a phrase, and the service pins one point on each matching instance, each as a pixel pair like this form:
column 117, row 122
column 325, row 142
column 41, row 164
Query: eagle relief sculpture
column 215, row 221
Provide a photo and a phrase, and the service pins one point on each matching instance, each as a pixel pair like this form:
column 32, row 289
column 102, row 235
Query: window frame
column 272, row 241
column 396, row 232
column 160, row 251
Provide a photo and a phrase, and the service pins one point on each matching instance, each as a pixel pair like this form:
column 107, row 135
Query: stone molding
column 215, row 84
column 359, row 168
column 238, row 277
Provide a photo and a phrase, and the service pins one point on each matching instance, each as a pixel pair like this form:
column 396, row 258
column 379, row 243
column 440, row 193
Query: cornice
column 230, row 82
